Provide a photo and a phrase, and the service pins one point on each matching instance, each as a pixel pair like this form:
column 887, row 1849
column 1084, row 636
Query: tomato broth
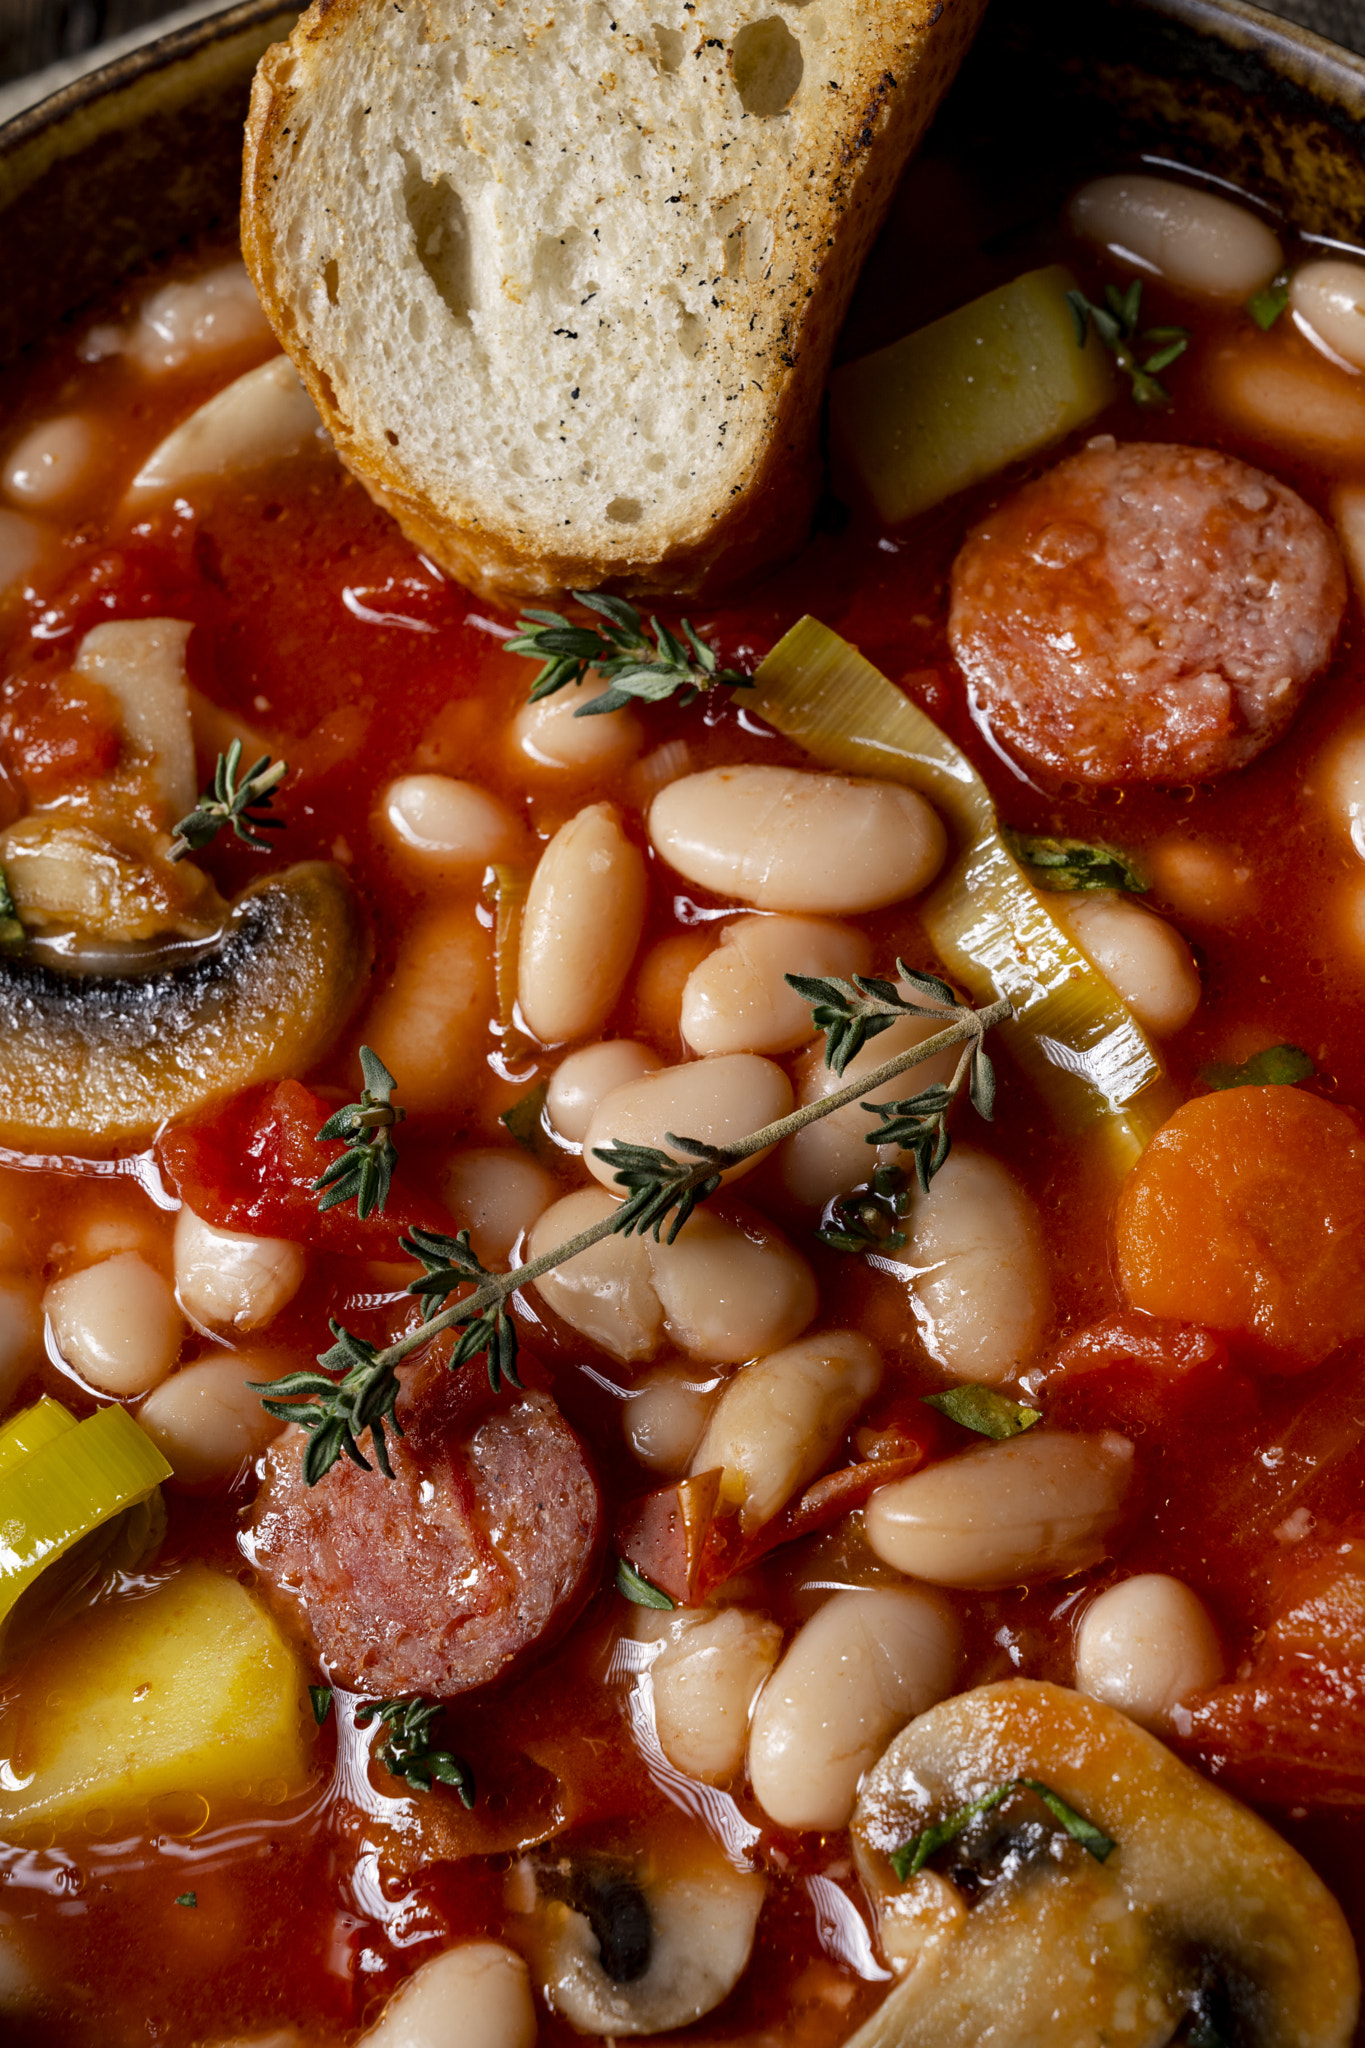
column 327, row 638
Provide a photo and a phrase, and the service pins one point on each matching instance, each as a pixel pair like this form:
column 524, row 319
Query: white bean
column 1201, row 880
column 141, row 662
column 1144, row 1644
column 584, row 912
column 230, row 1280
column 1338, row 781
column 206, row 1420
column 448, row 828
column 860, row 1668
column 475, row 1996
column 1309, row 408
column 778, row 1420
column 51, row 462
column 580, row 1082
column 496, row 1195
column 24, row 545
column 1183, row 233
column 976, row 1269
column 118, row 1324
column 783, row 839
column 831, row 1157
column 549, row 734
column 665, row 1416
column 197, row 317
column 738, row 1000
column 728, row 1288
column 607, row 1292
column 1141, row 956
column 262, row 417
column 1348, row 509
column 716, row 1101
column 705, row 1679
column 429, row 1024
column 21, row 1336
column 731, row 1287
column 1327, row 300
column 1036, row 1507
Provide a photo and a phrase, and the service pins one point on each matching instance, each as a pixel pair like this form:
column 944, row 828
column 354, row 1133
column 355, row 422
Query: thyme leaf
column 233, row 800
column 524, row 1121
column 409, row 1752
column 320, row 1697
column 985, row 1411
column 911, row 1857
column 12, row 933
column 451, row 1262
column 851, row 1012
column 1266, row 305
column 867, row 1222
column 633, row 666
column 637, row 1588
column 1279, row 1066
column 187, row 1899
column 1069, row 864
column 364, row 1172
column 1116, row 323
column 337, row 1412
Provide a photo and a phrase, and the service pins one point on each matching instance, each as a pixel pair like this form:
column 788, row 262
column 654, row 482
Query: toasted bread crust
column 772, row 340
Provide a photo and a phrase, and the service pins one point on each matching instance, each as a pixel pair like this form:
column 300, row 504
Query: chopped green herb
column 12, row 933
column 364, row 1171
column 408, row 1752
column 1067, row 864
column 638, row 1588
column 911, row 1857
column 1266, row 305
column 631, row 665
column 1279, row 1066
column 321, row 1696
column 524, row 1121
column 985, row 1411
column 187, row 1899
column 1116, row 323
column 233, row 801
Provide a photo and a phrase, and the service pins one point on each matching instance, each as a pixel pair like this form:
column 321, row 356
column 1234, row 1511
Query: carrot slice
column 1246, row 1213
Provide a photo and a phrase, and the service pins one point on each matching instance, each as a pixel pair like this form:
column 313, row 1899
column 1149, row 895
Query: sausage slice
column 1145, row 613
column 481, row 1548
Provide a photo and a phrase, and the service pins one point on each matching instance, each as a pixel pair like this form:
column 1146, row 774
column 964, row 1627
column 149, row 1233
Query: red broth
column 330, row 637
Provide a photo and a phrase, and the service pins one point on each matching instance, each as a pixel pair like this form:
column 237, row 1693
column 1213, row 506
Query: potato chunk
column 143, row 1703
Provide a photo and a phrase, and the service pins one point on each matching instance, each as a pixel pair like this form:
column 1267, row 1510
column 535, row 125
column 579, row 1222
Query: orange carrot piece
column 1246, row 1213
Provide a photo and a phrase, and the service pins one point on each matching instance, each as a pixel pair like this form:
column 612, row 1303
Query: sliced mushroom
column 643, row 1943
column 262, row 417
column 100, row 1058
column 1199, row 1917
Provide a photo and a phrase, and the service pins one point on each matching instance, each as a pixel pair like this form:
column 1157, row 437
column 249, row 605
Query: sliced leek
column 61, row 1481
column 1077, row 1042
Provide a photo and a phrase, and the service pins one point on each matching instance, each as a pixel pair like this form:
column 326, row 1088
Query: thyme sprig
column 628, row 661
column 364, row 1172
column 337, row 1413
column 1116, row 323
column 233, row 800
column 408, row 1752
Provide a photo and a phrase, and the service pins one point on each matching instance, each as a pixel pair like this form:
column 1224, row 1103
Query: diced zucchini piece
column 983, row 387
column 189, row 1690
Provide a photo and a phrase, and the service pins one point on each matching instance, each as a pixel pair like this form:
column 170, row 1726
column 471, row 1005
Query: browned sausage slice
column 1145, row 613
column 482, row 1547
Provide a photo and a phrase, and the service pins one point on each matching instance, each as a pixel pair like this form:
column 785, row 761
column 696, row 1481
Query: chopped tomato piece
column 54, row 732
column 251, row 1163
column 1246, row 1214
column 1291, row 1726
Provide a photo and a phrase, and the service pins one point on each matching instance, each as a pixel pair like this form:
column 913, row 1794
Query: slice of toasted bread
column 564, row 278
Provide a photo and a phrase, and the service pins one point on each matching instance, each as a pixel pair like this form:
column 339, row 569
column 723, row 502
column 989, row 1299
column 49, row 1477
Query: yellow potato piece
column 143, row 1708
